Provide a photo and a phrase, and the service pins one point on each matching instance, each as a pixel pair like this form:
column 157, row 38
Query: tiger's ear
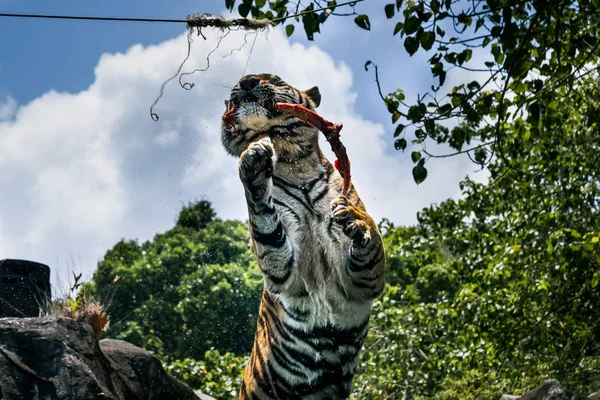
column 315, row 95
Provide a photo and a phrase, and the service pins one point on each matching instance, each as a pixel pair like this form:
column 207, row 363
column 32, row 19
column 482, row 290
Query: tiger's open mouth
column 249, row 101
column 250, row 112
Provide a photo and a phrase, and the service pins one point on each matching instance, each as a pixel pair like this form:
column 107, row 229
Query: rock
column 551, row 390
column 58, row 358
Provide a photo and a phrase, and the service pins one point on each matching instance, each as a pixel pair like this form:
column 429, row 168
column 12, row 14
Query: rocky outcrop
column 551, row 390
column 58, row 358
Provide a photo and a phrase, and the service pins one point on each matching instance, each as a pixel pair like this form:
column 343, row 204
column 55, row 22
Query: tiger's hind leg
column 270, row 241
column 366, row 266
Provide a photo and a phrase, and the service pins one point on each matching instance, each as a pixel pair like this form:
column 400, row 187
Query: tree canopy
column 188, row 290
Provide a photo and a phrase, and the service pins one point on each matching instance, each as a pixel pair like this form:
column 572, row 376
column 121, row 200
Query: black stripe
column 321, row 195
column 296, row 313
column 286, row 183
column 279, row 130
column 283, row 360
column 361, row 259
column 276, row 238
column 324, row 263
column 285, row 388
column 282, row 204
column 250, row 138
column 284, row 340
column 243, row 390
column 295, row 197
column 279, row 280
column 366, row 280
column 263, row 208
column 286, row 333
column 354, row 267
column 265, row 382
column 278, row 353
column 312, row 183
column 363, row 285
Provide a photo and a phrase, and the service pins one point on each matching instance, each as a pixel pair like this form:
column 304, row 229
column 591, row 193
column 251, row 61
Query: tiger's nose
column 249, row 82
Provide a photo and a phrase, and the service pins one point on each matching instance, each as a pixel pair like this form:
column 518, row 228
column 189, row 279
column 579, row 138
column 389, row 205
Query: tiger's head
column 250, row 115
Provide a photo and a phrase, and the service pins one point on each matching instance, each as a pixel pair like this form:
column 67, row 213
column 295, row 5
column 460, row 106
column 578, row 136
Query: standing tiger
column 320, row 253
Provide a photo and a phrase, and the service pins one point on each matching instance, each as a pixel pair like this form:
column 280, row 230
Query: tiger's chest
column 319, row 291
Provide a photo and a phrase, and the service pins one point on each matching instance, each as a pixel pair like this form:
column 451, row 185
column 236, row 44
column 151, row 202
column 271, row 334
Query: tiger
column 321, row 254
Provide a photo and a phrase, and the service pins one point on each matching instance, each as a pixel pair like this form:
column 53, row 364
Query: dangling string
column 153, row 115
column 190, row 85
column 250, row 55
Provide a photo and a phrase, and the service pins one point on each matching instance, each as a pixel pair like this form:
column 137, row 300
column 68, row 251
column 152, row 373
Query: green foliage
column 196, row 216
column 218, row 375
column 232, row 323
column 497, row 291
column 185, row 291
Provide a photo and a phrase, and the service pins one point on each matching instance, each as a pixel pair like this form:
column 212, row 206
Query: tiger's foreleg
column 270, row 241
column 365, row 270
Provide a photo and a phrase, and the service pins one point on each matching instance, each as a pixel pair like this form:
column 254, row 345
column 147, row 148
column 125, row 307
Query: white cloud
column 167, row 138
column 81, row 171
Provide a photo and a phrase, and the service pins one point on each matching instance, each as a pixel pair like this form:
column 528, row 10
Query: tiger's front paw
column 352, row 221
column 256, row 168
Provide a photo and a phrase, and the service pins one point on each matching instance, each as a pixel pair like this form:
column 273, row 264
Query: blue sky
column 84, row 166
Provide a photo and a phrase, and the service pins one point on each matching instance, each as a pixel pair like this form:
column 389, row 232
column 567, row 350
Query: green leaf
column 289, row 30
column 411, row 25
column 479, row 24
column 427, row 39
column 534, row 112
column 445, row 109
column 244, row 9
column 400, row 144
column 395, row 117
column 363, row 22
column 311, row 25
column 398, row 28
column 230, row 4
column 419, row 172
column 480, row 155
column 415, row 156
column 389, row 11
column 399, row 130
column 411, row 45
column 415, row 113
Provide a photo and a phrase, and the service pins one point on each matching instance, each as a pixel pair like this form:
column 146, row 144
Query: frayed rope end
column 205, row 21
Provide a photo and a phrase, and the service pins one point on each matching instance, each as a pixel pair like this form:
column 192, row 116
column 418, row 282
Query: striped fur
column 321, row 254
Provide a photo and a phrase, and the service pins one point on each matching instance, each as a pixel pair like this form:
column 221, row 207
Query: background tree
column 190, row 289
column 506, row 289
